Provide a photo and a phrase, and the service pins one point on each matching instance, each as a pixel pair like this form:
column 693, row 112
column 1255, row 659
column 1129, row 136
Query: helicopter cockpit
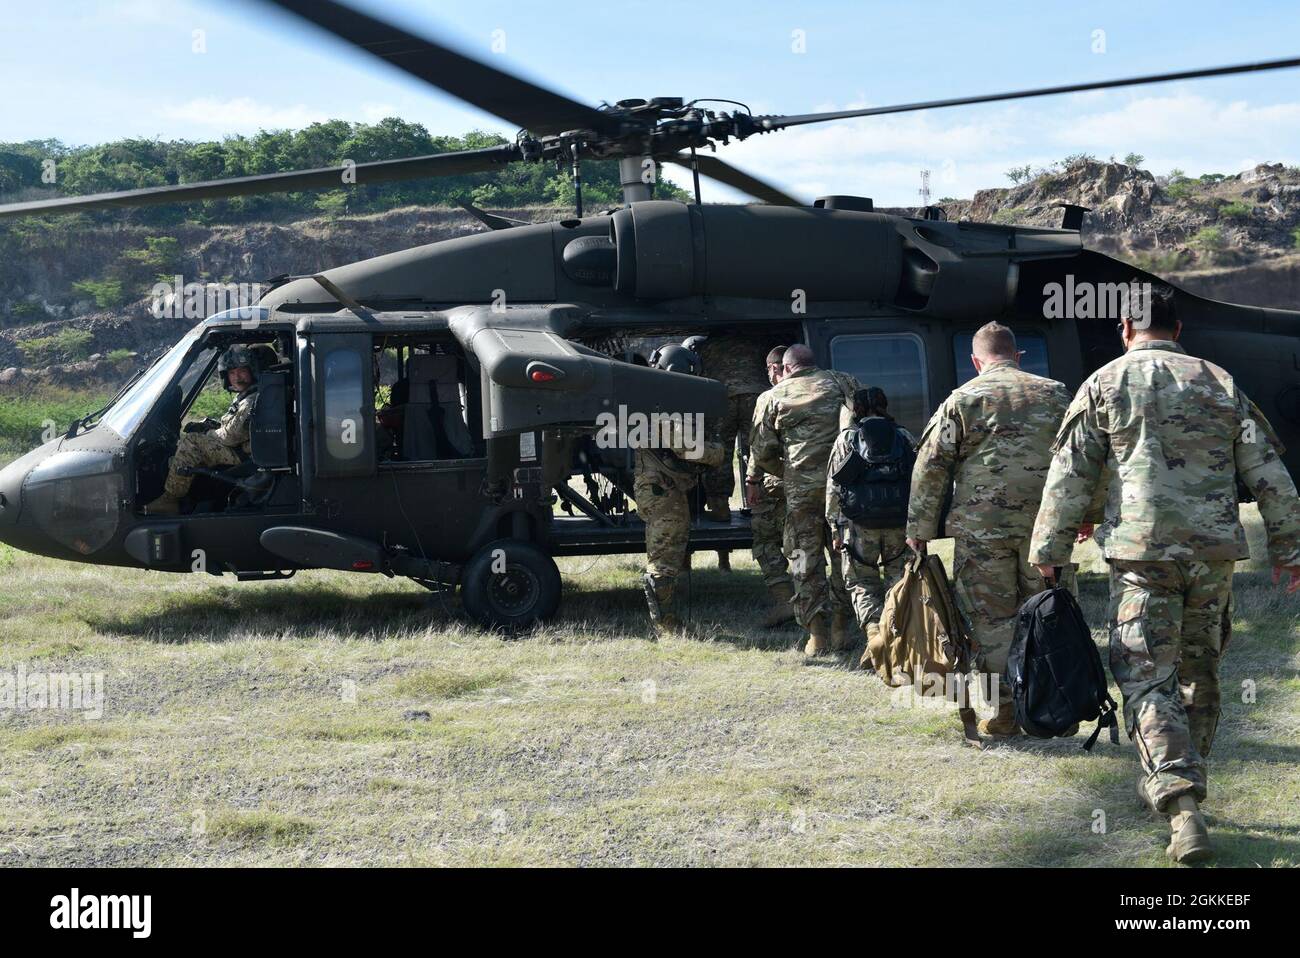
column 184, row 387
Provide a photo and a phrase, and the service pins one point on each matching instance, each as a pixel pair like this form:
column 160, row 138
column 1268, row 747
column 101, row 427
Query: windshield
column 135, row 403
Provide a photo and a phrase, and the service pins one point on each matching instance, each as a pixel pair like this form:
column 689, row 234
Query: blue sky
column 86, row 71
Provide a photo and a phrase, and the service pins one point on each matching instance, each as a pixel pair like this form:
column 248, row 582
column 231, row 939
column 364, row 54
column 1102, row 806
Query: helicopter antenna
column 577, row 176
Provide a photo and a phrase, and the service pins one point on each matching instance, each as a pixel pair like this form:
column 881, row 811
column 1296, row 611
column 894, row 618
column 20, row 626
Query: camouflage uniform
column 740, row 362
column 1167, row 436
column 662, row 481
column 991, row 442
column 226, row 445
column 793, row 439
column 873, row 559
column 767, row 516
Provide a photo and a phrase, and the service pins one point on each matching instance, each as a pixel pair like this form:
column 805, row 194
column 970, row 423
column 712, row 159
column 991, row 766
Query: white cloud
column 241, row 115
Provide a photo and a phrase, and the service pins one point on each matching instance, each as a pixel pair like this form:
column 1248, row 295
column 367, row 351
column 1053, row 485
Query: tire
column 527, row 592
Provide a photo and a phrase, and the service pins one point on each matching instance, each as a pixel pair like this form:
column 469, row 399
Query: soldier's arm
column 839, row 453
column 849, row 385
column 1261, row 470
column 752, row 469
column 765, row 446
column 234, row 427
column 932, row 475
column 1079, row 457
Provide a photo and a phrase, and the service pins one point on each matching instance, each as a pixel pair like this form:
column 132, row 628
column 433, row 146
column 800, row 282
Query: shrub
column 67, row 345
column 106, row 293
column 1133, row 159
column 160, row 253
column 1209, row 238
column 1235, row 211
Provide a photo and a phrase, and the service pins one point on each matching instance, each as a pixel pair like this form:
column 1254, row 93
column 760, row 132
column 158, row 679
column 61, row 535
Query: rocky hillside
column 1234, row 237
column 74, row 301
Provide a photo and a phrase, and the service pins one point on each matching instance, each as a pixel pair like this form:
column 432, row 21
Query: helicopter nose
column 11, row 484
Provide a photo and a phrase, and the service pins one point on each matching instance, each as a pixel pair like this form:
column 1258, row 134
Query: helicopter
column 507, row 346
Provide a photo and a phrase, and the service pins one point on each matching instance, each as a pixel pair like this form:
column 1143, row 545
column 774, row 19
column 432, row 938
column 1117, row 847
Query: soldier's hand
column 1293, row 573
column 1084, row 533
column 202, row 425
column 837, row 541
column 753, row 493
column 917, row 546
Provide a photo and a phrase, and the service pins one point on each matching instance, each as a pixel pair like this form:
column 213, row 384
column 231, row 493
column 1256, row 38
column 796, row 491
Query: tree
column 1018, row 174
column 1133, row 159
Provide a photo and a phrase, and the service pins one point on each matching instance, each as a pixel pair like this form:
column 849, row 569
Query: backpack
column 921, row 633
column 1055, row 671
column 874, row 482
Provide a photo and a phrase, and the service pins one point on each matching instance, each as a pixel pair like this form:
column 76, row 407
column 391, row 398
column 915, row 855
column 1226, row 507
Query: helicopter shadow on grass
column 301, row 612
column 713, row 605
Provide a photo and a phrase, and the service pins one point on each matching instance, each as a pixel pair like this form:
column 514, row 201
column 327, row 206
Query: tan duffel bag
column 921, row 633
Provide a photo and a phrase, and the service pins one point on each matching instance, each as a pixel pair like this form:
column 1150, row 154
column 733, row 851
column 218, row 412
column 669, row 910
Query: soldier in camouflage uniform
column 871, row 560
column 663, row 478
column 1165, row 437
column 211, row 443
column 990, row 441
column 793, row 440
column 767, row 513
column 736, row 361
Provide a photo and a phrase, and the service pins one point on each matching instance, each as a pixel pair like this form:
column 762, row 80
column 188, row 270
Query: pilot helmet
column 254, row 356
column 676, row 359
column 693, row 343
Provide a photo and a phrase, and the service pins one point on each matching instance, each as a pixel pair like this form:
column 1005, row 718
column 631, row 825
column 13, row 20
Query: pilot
column 667, row 469
column 211, row 443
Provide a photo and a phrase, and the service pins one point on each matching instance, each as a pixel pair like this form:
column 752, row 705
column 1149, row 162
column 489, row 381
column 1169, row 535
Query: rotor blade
column 716, row 169
column 330, row 177
column 524, row 104
column 781, row 122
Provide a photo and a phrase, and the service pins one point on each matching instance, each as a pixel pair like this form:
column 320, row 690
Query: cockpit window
column 129, row 411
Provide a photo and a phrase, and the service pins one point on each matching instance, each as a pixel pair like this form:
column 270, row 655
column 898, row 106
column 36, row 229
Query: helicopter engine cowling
column 669, row 250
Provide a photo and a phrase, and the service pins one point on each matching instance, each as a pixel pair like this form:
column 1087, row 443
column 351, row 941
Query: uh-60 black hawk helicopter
column 504, row 350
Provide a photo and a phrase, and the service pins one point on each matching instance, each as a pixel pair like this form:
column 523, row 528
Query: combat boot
column 659, row 598
column 1189, row 839
column 164, row 505
column 819, row 635
column 841, row 638
column 872, row 631
column 782, row 611
column 1002, row 725
column 717, row 509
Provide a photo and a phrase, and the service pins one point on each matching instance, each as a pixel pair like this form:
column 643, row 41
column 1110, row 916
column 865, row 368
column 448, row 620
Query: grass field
column 337, row 719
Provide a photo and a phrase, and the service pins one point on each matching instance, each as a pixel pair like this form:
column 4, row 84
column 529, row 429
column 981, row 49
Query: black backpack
column 875, row 480
column 1055, row 672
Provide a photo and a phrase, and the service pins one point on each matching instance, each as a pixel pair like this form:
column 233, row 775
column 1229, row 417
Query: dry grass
column 339, row 719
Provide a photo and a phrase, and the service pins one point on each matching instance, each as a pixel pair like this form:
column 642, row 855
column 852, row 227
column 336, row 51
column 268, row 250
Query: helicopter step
column 577, row 536
column 321, row 549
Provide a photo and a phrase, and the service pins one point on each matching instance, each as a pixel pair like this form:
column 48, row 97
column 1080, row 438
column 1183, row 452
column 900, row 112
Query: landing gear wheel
column 510, row 584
